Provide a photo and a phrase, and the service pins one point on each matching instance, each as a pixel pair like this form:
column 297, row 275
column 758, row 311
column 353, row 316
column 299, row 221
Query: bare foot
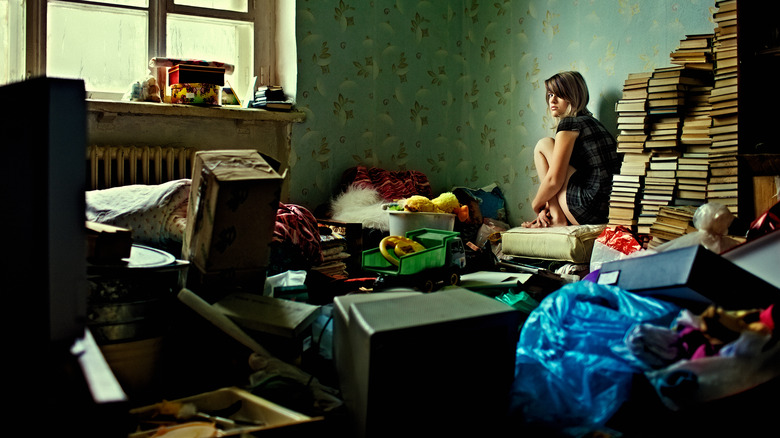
column 532, row 224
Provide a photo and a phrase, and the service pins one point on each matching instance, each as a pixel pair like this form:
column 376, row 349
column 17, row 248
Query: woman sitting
column 576, row 166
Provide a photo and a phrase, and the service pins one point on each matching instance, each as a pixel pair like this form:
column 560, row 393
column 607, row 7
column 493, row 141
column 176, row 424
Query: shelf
column 178, row 110
column 762, row 164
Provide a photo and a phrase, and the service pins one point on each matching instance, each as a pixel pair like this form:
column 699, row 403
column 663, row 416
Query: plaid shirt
column 596, row 159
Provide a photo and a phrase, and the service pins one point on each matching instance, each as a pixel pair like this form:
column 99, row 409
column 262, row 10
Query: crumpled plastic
column 614, row 243
column 712, row 221
column 573, row 369
column 749, row 361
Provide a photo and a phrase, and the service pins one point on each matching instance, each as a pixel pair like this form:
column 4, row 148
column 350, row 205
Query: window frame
column 262, row 13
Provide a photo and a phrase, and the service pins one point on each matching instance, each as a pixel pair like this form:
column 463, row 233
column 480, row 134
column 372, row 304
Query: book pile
column 671, row 222
column 658, row 188
column 334, row 254
column 271, row 98
column 667, row 88
column 724, row 129
column 632, row 113
column 692, row 177
column 694, row 52
column 664, row 134
column 623, row 200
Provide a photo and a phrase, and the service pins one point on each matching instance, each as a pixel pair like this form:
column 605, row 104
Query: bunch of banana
column 400, row 247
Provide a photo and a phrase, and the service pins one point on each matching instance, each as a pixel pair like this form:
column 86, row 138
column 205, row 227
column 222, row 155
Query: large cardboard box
column 692, row 277
column 232, row 211
column 252, row 415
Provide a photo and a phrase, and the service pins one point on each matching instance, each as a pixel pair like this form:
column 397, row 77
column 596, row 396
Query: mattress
column 573, row 243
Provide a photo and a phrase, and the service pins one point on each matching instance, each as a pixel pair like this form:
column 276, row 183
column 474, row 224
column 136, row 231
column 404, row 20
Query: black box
column 692, row 277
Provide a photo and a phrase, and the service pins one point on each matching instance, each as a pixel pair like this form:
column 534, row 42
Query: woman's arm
column 553, row 181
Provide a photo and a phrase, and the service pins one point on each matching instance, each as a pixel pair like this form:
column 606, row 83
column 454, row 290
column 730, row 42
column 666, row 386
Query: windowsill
column 178, row 110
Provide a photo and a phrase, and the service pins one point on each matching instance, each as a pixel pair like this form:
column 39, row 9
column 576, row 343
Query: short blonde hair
column 571, row 87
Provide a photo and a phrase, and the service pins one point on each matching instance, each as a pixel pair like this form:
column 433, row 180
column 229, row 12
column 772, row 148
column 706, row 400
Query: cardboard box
column 282, row 326
column 692, row 277
column 252, row 415
column 271, row 315
column 232, row 211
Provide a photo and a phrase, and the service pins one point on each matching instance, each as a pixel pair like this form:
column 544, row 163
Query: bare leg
column 558, row 211
column 562, row 199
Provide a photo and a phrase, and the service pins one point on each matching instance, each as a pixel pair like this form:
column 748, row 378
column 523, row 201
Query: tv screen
column 434, row 363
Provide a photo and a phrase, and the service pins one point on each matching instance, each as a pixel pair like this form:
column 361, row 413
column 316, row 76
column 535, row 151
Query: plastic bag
column 614, row 243
column 749, row 361
column 712, row 222
column 573, row 370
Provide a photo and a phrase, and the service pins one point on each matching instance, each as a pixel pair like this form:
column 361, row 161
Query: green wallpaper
column 453, row 88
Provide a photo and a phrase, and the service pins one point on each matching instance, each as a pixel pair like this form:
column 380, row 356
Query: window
column 11, row 40
column 109, row 43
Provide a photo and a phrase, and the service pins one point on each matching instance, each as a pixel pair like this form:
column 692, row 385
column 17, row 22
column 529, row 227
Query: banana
column 400, row 245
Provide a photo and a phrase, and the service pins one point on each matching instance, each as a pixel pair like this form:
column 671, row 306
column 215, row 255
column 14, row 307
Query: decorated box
column 196, row 94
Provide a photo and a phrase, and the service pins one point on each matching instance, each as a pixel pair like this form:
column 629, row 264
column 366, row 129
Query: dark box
column 692, row 277
column 196, row 74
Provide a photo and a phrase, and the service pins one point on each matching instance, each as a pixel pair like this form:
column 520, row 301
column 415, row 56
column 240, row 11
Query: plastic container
column 403, row 221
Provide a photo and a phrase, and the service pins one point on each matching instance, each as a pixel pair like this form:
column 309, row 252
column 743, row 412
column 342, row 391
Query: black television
column 55, row 364
column 434, row 364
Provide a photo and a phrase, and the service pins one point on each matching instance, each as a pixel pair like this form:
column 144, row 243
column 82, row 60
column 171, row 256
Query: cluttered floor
column 572, row 331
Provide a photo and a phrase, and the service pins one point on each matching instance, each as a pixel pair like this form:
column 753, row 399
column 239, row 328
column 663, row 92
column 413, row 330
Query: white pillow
column 573, row 243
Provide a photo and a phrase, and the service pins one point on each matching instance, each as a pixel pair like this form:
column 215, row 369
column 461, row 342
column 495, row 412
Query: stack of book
column 667, row 87
column 271, row 98
column 724, row 99
column 695, row 133
column 631, row 110
column 671, row 222
column 333, row 246
column 623, row 200
column 659, row 186
column 694, row 52
column 692, row 177
column 664, row 134
column 632, row 121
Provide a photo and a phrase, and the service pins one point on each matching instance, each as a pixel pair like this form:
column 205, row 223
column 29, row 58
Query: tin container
column 196, row 94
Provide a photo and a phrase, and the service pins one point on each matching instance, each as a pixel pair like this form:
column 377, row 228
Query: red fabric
column 296, row 227
column 391, row 185
column 766, row 317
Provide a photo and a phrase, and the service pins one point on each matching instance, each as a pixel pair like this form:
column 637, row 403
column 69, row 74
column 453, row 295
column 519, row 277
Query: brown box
column 232, row 211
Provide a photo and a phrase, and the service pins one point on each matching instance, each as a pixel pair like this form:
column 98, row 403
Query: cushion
column 573, row 243
column 156, row 214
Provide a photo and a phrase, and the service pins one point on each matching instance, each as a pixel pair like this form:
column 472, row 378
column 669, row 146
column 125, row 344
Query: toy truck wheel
column 427, row 285
column 454, row 278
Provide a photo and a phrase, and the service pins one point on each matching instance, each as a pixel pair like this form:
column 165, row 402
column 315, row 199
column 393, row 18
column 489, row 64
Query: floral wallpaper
column 455, row 88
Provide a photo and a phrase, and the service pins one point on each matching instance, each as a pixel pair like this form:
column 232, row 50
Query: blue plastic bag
column 573, row 369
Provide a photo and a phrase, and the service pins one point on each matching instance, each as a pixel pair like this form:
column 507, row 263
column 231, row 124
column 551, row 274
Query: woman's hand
column 544, row 218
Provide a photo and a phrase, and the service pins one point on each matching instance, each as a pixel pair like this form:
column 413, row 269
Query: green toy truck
column 441, row 262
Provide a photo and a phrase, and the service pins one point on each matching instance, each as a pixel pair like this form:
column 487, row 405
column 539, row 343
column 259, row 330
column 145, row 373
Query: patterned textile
column 156, row 214
column 296, row 241
column 596, row 159
column 391, row 185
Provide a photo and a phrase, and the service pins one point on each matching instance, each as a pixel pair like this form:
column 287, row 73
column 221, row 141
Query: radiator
column 111, row 166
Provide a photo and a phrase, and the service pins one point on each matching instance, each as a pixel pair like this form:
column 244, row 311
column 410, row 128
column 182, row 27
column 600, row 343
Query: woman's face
column 558, row 106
